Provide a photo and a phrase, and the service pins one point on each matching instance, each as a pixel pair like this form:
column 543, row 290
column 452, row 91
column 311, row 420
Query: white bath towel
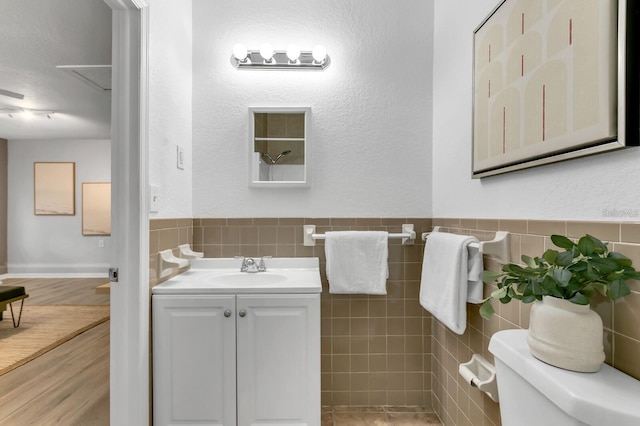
column 449, row 270
column 357, row 261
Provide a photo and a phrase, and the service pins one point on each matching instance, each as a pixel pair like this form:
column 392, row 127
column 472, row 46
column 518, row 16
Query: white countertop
column 223, row 276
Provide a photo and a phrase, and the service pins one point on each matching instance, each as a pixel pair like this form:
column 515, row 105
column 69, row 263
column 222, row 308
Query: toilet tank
column 534, row 393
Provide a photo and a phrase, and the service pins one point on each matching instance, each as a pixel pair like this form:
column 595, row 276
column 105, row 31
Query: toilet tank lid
column 608, row 397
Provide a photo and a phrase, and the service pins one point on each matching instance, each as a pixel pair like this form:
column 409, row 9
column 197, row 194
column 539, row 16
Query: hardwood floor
column 68, row 385
column 61, row 291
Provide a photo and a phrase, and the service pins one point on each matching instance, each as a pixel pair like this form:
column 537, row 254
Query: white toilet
column 533, row 393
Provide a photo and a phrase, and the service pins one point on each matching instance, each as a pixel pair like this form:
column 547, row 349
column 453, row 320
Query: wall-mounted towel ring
column 498, row 248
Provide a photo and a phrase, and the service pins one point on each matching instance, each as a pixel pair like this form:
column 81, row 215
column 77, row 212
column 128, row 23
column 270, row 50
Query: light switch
column 154, row 198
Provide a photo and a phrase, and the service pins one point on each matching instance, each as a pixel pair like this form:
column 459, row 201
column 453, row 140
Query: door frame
column 130, row 296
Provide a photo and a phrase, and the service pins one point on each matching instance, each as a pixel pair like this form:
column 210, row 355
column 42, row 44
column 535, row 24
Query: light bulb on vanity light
column 293, row 53
column 319, row 54
column 240, row 52
column 266, row 51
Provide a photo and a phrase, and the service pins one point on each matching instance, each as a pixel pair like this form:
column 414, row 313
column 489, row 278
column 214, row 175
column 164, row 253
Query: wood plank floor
column 68, row 385
column 61, row 291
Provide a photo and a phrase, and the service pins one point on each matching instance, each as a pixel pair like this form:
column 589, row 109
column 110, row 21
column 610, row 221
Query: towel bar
column 408, row 235
column 497, row 248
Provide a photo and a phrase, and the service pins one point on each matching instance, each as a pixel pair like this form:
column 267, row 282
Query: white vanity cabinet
column 236, row 359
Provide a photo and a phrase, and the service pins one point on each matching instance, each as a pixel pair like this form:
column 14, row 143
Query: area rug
column 43, row 328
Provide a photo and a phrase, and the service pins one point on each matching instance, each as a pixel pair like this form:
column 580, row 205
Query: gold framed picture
column 96, row 208
column 54, row 189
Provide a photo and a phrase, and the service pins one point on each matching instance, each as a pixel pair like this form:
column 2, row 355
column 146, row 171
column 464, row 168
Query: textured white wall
column 371, row 109
column 170, row 115
column 48, row 244
column 580, row 189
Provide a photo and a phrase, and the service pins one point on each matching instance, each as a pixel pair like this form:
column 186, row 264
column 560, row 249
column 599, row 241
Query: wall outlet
column 101, row 243
column 180, row 157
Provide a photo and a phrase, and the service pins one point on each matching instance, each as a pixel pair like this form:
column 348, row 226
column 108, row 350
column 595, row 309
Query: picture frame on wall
column 553, row 80
column 54, row 188
column 96, row 208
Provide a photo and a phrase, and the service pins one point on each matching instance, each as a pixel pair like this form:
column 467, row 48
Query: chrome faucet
column 250, row 265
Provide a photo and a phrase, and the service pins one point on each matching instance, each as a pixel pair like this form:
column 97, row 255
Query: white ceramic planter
column 566, row 335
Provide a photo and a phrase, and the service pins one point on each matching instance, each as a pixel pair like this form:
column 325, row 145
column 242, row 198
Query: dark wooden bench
column 8, row 295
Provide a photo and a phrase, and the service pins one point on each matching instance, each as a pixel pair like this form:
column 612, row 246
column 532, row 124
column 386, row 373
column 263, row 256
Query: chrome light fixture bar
column 268, row 59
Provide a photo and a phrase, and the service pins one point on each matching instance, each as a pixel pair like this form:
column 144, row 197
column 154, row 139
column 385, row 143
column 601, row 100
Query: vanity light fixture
column 269, row 59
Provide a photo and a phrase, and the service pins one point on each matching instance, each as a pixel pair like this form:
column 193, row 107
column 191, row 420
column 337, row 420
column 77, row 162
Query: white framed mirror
column 279, row 147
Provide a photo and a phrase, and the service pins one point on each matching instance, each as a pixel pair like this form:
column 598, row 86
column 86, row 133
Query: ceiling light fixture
column 269, row 59
column 26, row 113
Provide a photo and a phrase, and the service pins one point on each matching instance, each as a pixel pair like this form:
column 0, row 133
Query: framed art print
column 548, row 83
column 54, row 188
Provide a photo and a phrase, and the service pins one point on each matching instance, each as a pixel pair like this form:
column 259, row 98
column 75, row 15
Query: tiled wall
column 458, row 404
column 376, row 350
column 386, row 350
column 166, row 234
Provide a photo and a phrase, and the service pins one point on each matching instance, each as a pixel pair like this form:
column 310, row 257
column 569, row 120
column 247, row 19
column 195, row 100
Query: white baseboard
column 56, row 271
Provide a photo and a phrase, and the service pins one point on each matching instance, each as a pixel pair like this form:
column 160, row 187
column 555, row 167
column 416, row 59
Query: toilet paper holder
column 481, row 374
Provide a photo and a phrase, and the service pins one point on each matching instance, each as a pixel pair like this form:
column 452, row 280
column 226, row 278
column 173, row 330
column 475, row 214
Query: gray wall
column 3, row 205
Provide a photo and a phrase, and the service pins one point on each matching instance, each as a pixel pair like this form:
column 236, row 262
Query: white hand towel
column 448, row 268
column 357, row 261
column 475, row 285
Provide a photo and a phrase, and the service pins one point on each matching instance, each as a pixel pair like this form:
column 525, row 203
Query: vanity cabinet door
column 194, row 366
column 278, row 356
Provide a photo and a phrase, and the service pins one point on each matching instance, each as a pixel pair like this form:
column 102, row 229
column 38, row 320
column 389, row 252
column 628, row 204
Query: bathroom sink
column 223, row 276
column 245, row 278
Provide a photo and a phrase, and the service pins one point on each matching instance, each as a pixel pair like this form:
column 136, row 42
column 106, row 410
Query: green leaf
column 536, row 288
column 550, row 287
column 518, row 271
column 550, row 256
column 491, row 276
column 600, row 287
column 591, row 274
column 579, row 299
column 600, row 247
column 618, row 289
column 564, row 258
column 528, row 299
column 505, row 299
column 630, row 274
column 486, row 310
column 499, row 293
column 573, row 287
column 523, row 288
column 586, row 245
column 548, row 283
column 562, row 242
column 605, row 265
column 589, row 292
column 562, row 276
column 579, row 266
column 529, row 261
column 620, row 258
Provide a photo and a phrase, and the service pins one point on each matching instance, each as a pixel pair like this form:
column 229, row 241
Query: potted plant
column 563, row 330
